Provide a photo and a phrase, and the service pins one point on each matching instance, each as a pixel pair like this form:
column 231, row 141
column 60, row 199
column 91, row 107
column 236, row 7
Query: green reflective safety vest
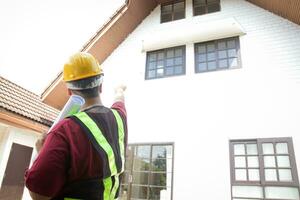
column 110, row 187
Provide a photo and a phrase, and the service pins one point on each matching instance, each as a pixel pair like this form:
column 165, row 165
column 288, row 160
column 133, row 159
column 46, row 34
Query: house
column 23, row 118
column 213, row 97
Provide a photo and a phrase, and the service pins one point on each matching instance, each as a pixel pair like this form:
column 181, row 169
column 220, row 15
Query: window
column 165, row 62
column 202, row 7
column 172, row 11
column 148, row 172
column 217, row 55
column 263, row 169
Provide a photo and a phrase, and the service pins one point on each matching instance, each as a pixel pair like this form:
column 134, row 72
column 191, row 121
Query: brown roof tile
column 18, row 100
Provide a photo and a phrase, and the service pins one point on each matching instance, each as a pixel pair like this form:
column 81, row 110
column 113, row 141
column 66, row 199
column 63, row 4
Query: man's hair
column 88, row 93
column 91, row 84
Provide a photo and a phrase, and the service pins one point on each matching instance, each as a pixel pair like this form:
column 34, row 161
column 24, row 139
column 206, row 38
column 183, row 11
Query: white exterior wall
column 12, row 135
column 200, row 113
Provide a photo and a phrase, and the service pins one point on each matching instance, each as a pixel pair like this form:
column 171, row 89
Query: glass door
column 148, row 172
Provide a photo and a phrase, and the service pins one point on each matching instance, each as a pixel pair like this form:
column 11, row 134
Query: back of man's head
column 83, row 75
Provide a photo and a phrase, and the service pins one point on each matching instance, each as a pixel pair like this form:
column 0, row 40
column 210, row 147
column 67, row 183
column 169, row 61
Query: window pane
column 223, row 63
column 169, row 71
column 202, row 67
column 199, row 2
column 141, row 164
column 251, row 149
column 211, row 56
column 201, row 49
column 178, row 70
column 143, row 151
column 139, row 192
column 285, row 175
column 152, row 65
column 140, row 178
column 239, row 149
column 233, row 62
column 268, row 148
column 170, row 62
column 160, row 64
column 202, row 57
column 283, row 161
column 213, row 8
column 160, row 56
column 166, row 8
column 179, row 6
column 253, row 161
column 178, row 61
column 178, row 15
column 240, row 175
column 221, row 45
column 269, row 161
column 159, row 165
column 199, row 10
column 232, row 53
column 282, row 148
column 178, row 52
column 166, row 17
column 239, row 161
column 158, row 179
column 152, row 57
column 159, row 152
column 282, row 193
column 212, row 65
column 231, row 44
column 270, row 175
column 253, row 175
column 211, row 47
column 156, row 193
column 222, row 54
column 151, row 73
column 160, row 72
column 170, row 53
column 247, row 192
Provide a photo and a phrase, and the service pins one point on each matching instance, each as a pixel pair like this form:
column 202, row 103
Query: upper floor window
column 202, row 7
column 217, row 55
column 172, row 11
column 165, row 62
column 263, row 169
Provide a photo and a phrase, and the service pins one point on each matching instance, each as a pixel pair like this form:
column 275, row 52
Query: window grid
column 165, row 63
column 279, row 147
column 172, row 11
column 217, row 55
column 149, row 185
column 201, row 7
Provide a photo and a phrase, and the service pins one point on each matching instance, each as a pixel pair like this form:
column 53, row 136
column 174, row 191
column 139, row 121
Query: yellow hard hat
column 81, row 65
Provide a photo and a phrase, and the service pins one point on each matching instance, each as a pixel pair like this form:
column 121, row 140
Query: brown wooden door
column 13, row 180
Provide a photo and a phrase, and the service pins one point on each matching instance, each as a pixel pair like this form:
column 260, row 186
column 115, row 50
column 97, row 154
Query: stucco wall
column 201, row 112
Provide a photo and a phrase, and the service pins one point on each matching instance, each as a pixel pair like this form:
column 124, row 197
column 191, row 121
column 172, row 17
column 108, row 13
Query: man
column 83, row 155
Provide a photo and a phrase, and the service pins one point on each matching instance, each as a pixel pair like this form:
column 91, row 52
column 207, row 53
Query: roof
column 127, row 18
column 20, row 101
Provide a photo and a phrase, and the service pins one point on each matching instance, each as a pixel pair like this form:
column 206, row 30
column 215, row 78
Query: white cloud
column 37, row 37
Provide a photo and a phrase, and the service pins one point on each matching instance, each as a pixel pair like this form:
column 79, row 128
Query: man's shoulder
column 63, row 125
column 120, row 106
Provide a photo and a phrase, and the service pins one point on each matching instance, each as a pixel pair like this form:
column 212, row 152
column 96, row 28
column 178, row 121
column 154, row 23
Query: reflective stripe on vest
column 121, row 136
column 109, row 189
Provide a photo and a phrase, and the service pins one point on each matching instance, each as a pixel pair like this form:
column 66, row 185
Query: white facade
column 9, row 135
column 201, row 112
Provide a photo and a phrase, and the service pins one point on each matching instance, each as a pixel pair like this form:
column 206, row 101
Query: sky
column 38, row 36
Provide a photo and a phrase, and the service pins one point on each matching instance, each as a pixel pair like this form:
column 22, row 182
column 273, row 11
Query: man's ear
column 100, row 89
column 69, row 92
